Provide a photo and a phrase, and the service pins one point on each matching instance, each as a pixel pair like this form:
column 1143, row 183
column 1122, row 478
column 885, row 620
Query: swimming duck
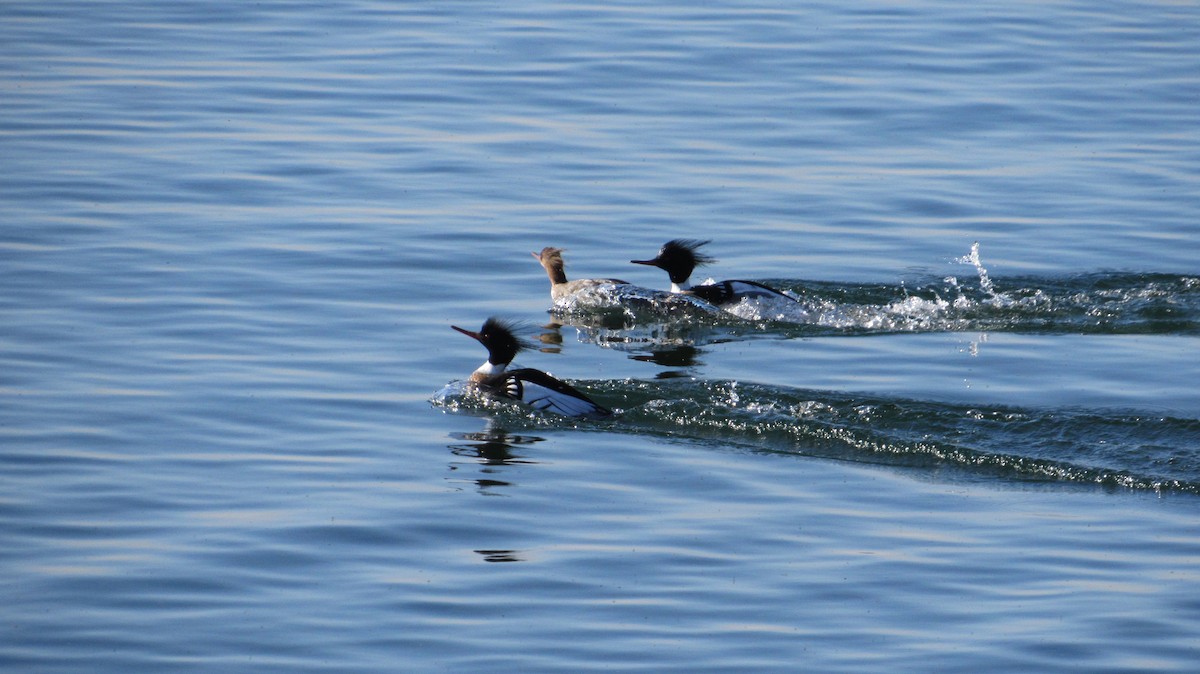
column 679, row 257
column 552, row 260
column 532, row 387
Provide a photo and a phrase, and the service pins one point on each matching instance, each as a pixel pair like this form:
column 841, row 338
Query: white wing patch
column 547, row 399
column 747, row 289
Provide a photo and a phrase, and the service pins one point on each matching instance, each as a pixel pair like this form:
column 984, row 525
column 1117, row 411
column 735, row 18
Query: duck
column 552, row 261
column 680, row 257
column 535, row 388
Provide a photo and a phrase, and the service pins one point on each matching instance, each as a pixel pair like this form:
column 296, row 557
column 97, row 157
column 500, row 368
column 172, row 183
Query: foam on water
column 1129, row 448
column 1133, row 450
column 630, row 305
column 1098, row 303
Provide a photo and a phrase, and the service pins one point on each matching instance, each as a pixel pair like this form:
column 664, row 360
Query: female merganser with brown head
column 560, row 287
column 679, row 257
column 532, row 387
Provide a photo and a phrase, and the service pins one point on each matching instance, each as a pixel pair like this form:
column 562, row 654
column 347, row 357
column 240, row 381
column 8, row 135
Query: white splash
column 985, row 282
column 777, row 309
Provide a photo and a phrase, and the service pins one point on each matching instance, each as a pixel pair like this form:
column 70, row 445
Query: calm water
column 232, row 429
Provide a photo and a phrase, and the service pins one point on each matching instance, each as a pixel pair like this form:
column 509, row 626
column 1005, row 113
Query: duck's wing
column 726, row 292
column 543, row 392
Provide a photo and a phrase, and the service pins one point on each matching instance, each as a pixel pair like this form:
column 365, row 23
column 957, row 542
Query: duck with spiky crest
column 680, row 257
column 532, row 387
column 560, row 288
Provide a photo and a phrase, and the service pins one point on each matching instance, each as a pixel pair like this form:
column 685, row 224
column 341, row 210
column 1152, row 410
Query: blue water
column 233, row 435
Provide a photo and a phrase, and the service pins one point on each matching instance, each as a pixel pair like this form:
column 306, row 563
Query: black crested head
column 679, row 257
column 500, row 339
column 687, row 248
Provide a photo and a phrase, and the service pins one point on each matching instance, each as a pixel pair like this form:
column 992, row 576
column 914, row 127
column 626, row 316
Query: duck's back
column 560, row 291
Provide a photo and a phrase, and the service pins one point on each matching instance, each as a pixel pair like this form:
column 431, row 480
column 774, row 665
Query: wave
column 1113, row 449
column 1128, row 449
column 1093, row 303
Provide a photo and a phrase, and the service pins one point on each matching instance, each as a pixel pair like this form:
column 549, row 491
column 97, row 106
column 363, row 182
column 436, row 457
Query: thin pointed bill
column 473, row 335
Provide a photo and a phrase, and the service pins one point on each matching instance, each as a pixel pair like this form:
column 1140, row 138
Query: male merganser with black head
column 532, row 387
column 560, row 287
column 679, row 257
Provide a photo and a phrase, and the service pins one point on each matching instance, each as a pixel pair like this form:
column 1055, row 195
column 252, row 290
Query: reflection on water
column 551, row 338
column 491, row 449
column 683, row 355
column 643, row 335
column 500, row 555
column 670, row 345
column 973, row 347
column 494, row 446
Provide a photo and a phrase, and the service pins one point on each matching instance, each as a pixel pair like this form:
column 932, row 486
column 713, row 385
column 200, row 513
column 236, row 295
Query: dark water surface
column 233, row 432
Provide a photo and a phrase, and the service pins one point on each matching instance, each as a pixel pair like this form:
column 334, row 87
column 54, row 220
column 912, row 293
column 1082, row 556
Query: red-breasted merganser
column 679, row 257
column 532, row 387
column 560, row 287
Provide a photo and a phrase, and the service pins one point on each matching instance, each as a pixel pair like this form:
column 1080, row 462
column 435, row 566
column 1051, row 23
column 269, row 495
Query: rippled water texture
column 233, row 430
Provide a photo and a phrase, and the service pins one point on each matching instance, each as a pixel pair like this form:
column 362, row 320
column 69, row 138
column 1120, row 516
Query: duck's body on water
column 680, row 257
column 560, row 288
column 532, row 387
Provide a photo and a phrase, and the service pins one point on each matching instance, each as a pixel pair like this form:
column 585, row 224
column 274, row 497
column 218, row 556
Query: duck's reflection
column 682, row 355
column 551, row 338
column 494, row 446
column 501, row 555
column 491, row 450
column 667, row 345
column 620, row 331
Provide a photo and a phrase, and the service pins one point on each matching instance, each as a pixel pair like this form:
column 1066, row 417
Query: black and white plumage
column 552, row 261
column 680, row 257
column 532, row 387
